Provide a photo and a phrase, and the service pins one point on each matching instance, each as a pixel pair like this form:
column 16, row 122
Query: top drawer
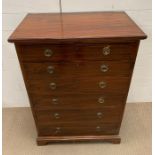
column 107, row 51
column 47, row 52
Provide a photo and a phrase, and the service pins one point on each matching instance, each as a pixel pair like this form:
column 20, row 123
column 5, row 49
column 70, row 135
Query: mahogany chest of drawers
column 77, row 69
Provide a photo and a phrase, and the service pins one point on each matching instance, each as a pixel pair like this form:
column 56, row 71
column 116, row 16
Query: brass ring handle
column 53, row 85
column 102, row 84
column 48, row 52
column 104, row 68
column 56, row 115
column 50, row 69
column 106, row 50
column 55, row 101
column 98, row 128
column 101, row 100
column 57, row 130
column 99, row 114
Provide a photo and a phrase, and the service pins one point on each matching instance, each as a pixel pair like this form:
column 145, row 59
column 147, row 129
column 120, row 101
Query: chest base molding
column 44, row 140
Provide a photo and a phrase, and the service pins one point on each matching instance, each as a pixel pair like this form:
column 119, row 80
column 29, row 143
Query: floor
column 19, row 135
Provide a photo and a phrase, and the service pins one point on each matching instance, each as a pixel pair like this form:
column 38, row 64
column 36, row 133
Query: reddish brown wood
column 75, row 26
column 79, row 129
column 77, row 41
column 119, row 51
column 35, row 53
column 75, row 52
column 82, row 85
column 76, row 101
column 43, row 140
column 74, row 116
column 77, row 69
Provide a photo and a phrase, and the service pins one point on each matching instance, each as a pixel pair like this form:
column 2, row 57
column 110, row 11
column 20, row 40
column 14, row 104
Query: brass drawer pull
column 48, row 52
column 99, row 114
column 106, row 50
column 50, row 69
column 53, row 85
column 55, row 101
column 98, row 128
column 102, row 84
column 104, row 68
column 57, row 130
column 101, row 100
column 57, row 115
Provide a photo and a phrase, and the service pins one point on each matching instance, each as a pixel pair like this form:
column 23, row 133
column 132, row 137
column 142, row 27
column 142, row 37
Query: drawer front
column 76, row 70
column 104, row 115
column 102, row 84
column 107, row 51
column 84, row 85
column 79, row 129
column 77, row 90
column 77, row 101
column 103, row 68
column 45, row 53
column 44, row 71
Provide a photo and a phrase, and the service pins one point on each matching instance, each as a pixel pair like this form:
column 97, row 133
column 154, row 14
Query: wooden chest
column 77, row 69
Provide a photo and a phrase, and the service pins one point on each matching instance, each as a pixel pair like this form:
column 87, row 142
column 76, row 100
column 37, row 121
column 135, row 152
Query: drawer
column 46, row 52
column 90, row 85
column 104, row 115
column 77, row 101
column 112, row 51
column 103, row 68
column 79, row 129
column 44, row 71
column 100, row 84
column 76, row 70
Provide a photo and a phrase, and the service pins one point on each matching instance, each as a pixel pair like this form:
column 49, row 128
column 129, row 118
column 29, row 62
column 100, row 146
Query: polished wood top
column 76, row 26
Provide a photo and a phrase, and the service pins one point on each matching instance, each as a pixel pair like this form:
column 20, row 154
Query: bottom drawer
column 79, row 129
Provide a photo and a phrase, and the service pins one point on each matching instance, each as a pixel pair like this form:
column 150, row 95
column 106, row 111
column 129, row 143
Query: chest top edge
column 83, row 27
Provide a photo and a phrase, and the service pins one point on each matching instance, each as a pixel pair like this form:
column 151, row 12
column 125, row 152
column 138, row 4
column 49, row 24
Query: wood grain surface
column 75, row 26
column 71, row 94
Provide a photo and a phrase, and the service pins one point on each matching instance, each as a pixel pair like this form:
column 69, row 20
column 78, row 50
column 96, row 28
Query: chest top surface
column 77, row 26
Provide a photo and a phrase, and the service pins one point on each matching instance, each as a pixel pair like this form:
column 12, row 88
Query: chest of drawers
column 77, row 69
